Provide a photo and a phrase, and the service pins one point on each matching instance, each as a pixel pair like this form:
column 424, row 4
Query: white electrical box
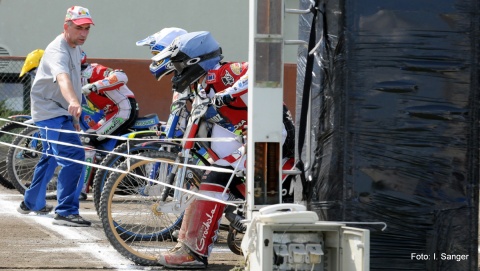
column 289, row 238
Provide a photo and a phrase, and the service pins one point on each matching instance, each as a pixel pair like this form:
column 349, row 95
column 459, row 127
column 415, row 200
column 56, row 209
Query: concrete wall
column 26, row 25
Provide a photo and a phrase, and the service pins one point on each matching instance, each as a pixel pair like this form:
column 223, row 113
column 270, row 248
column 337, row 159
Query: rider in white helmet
column 157, row 42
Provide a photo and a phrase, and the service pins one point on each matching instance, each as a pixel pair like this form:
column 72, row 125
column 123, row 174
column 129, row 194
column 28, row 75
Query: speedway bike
column 173, row 128
column 146, row 198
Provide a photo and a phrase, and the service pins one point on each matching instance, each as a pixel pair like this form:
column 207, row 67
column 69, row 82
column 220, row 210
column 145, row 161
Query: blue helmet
column 157, row 42
column 192, row 55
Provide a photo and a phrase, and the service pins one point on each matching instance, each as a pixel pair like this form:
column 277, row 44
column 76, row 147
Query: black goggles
column 180, row 65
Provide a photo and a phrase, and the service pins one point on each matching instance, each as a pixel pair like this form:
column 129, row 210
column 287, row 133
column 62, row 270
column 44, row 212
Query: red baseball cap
column 78, row 15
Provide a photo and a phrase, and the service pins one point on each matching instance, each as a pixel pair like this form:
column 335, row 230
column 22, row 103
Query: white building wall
column 26, row 25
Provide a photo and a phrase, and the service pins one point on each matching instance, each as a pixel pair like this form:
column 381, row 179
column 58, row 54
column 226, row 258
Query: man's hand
column 88, row 88
column 75, row 109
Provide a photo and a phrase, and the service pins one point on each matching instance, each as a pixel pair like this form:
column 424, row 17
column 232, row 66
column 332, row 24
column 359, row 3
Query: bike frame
column 175, row 128
column 191, row 149
column 90, row 113
column 201, row 150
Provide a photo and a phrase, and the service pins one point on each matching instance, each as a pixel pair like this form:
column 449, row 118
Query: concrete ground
column 31, row 242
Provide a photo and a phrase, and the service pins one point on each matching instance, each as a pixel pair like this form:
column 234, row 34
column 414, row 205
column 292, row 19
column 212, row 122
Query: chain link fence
column 14, row 91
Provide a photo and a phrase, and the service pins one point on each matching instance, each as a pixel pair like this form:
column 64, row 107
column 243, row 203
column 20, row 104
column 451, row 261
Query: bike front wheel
column 133, row 214
column 7, row 134
column 113, row 160
column 22, row 159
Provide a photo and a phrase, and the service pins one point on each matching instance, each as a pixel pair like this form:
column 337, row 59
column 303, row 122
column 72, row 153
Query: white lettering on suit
column 206, row 227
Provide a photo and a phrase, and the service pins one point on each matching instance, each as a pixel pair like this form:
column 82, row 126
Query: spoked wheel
column 133, row 215
column 7, row 133
column 113, row 160
column 22, row 159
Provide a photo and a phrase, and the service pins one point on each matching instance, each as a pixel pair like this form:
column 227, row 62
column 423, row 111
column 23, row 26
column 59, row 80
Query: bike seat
column 146, row 121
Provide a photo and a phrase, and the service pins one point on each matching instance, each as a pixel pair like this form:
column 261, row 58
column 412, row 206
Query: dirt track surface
column 31, row 242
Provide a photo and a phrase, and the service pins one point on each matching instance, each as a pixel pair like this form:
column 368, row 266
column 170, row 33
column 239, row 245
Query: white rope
column 127, row 156
column 226, row 139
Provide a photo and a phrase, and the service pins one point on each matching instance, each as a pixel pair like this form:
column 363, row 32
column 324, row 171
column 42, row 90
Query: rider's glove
column 86, row 89
column 221, row 99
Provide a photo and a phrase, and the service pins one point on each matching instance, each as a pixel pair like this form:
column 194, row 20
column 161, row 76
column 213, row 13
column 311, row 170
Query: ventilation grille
column 4, row 63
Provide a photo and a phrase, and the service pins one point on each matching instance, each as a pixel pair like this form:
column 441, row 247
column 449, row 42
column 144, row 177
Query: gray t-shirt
column 46, row 98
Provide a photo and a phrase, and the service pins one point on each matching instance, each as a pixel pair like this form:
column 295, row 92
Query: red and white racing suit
column 229, row 78
column 232, row 79
column 112, row 96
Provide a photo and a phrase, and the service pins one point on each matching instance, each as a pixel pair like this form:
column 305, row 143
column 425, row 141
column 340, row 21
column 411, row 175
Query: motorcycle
column 145, row 200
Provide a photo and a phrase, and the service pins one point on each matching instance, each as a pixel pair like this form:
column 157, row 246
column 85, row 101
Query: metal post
column 265, row 102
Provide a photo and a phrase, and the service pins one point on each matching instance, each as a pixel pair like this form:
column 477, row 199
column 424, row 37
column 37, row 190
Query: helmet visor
column 165, row 53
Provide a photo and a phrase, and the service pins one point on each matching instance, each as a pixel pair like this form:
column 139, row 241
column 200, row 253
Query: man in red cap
column 77, row 25
column 56, row 97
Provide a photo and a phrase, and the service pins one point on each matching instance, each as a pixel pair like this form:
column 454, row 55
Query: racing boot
column 198, row 232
